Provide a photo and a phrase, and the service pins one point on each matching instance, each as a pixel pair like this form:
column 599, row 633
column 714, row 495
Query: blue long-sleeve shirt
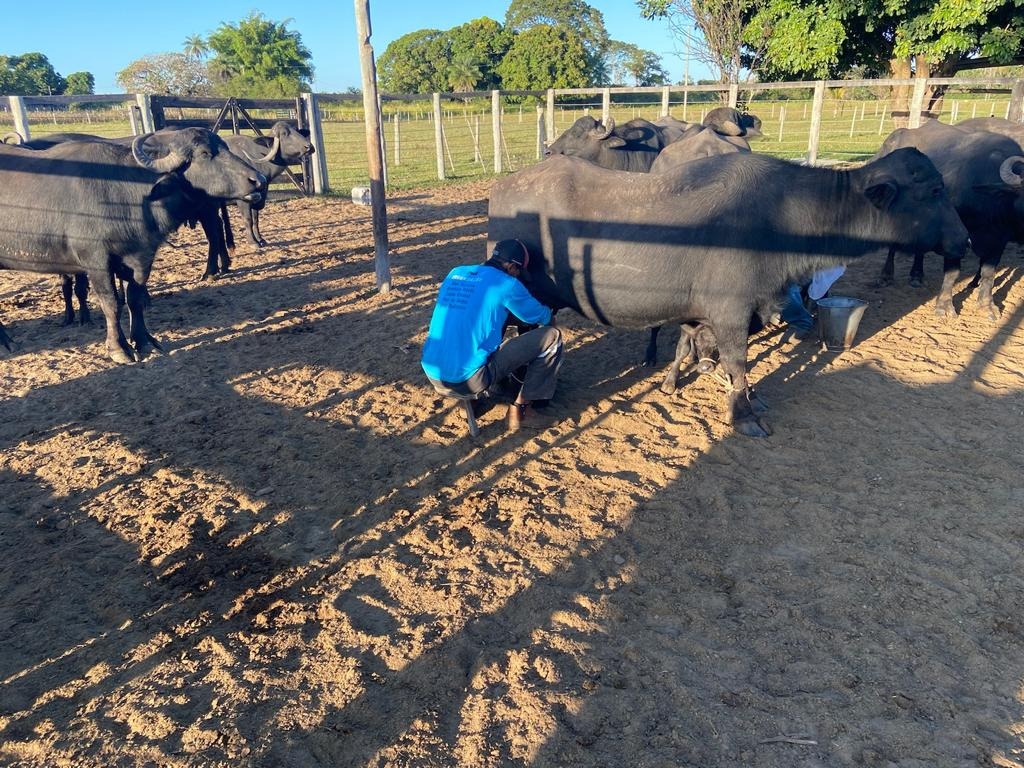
column 465, row 329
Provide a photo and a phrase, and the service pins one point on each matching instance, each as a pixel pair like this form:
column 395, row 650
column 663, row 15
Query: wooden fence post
column 815, row 132
column 550, row 116
column 606, row 105
column 398, row 141
column 145, row 102
column 318, row 160
column 782, row 121
column 438, row 136
column 540, row 133
column 686, row 98
column 664, row 101
column 734, row 95
column 383, row 136
column 496, row 128
column 20, row 117
column 1016, row 108
column 917, row 102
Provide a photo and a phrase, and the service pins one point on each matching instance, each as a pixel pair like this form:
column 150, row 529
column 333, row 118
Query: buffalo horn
column 1008, row 171
column 171, row 162
column 15, row 138
column 272, row 153
column 603, row 131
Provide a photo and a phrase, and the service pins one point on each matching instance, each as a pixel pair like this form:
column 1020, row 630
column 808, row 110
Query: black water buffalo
column 103, row 209
column 695, row 143
column 218, row 259
column 628, row 147
column 998, row 125
column 640, row 250
column 984, row 176
column 270, row 155
column 729, row 121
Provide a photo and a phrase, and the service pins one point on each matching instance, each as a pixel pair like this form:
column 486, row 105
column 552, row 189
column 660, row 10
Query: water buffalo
column 729, row 121
column 984, row 175
column 628, row 147
column 638, row 250
column 270, row 155
column 998, row 125
column 103, row 209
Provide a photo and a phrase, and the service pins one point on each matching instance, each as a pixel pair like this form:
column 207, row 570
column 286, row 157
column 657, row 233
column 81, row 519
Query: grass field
column 851, row 129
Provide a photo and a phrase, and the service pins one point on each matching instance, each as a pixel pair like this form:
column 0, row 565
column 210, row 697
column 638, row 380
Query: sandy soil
column 274, row 546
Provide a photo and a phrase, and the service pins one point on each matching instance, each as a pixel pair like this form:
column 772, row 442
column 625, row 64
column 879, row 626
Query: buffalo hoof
column 752, row 427
column 757, row 405
column 705, row 366
column 67, row 321
column 945, row 309
column 262, row 243
column 669, row 387
column 991, row 310
column 883, row 281
column 86, row 320
column 120, row 355
column 146, row 345
column 916, row 281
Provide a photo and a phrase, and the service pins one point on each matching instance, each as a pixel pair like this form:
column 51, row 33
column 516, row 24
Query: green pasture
column 851, row 129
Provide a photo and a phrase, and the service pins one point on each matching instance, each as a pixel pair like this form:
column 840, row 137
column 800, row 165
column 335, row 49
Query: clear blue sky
column 103, row 38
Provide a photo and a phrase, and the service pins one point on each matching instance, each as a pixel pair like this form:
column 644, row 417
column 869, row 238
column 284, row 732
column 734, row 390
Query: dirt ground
column 275, row 546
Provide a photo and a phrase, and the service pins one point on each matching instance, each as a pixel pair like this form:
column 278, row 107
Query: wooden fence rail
column 309, row 110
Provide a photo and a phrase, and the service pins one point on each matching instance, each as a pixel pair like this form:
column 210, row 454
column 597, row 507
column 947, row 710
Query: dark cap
column 511, row 252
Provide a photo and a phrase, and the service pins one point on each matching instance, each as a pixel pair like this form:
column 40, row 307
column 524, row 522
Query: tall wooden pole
column 375, row 162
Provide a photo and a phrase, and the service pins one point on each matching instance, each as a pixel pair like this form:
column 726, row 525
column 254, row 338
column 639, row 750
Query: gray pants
column 540, row 350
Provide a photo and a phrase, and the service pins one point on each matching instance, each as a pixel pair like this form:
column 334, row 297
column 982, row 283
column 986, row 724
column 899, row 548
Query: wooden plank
column 63, row 101
column 815, row 132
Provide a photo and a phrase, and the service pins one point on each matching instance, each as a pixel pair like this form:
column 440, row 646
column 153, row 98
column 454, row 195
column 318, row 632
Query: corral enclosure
column 854, row 119
column 275, row 546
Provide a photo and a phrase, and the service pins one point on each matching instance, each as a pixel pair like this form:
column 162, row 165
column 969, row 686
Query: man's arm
column 521, row 304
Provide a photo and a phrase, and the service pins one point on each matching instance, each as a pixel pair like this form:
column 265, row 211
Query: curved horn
column 1008, row 172
column 16, row 138
column 172, row 162
column 274, row 148
column 603, row 131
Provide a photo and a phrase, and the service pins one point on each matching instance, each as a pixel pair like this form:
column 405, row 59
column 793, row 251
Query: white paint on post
column 145, row 102
column 815, row 132
column 496, row 128
column 606, row 105
column 664, row 101
column 318, row 161
column 734, row 95
column 881, row 123
column 1015, row 109
column 20, row 117
column 782, row 121
column 398, row 140
column 438, row 136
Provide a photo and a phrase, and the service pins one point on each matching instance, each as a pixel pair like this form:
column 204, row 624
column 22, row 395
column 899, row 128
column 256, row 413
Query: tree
column 631, row 63
column 464, row 73
column 30, row 74
column 484, row 40
column 583, row 20
column 545, row 56
column 720, row 23
column 415, row 63
column 899, row 38
column 195, row 47
column 260, row 58
column 80, row 83
column 166, row 73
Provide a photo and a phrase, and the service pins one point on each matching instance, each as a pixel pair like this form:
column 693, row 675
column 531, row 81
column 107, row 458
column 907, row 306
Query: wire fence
column 852, row 123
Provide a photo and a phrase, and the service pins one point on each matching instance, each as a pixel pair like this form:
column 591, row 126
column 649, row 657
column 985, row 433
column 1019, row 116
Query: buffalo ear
column 614, row 141
column 729, row 128
column 882, row 195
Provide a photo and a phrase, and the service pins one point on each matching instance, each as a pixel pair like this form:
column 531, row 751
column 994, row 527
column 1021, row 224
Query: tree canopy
column 258, row 57
column 628, row 64
column 415, row 63
column 170, row 74
column 32, row 74
column 545, row 56
column 577, row 16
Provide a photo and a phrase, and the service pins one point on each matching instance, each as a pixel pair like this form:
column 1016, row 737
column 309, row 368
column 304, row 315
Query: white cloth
column 823, row 280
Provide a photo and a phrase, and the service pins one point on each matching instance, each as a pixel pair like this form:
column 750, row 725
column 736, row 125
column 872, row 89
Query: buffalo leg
column 989, row 253
column 944, row 302
column 5, row 339
column 210, row 219
column 651, row 355
column 256, row 226
column 106, row 294
column 137, row 298
column 917, row 271
column 66, row 283
column 732, row 350
column 247, row 222
column 229, row 236
column 685, row 349
column 885, row 277
column 82, row 294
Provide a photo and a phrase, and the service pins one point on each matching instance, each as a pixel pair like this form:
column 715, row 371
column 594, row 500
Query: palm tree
column 464, row 73
column 195, row 47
